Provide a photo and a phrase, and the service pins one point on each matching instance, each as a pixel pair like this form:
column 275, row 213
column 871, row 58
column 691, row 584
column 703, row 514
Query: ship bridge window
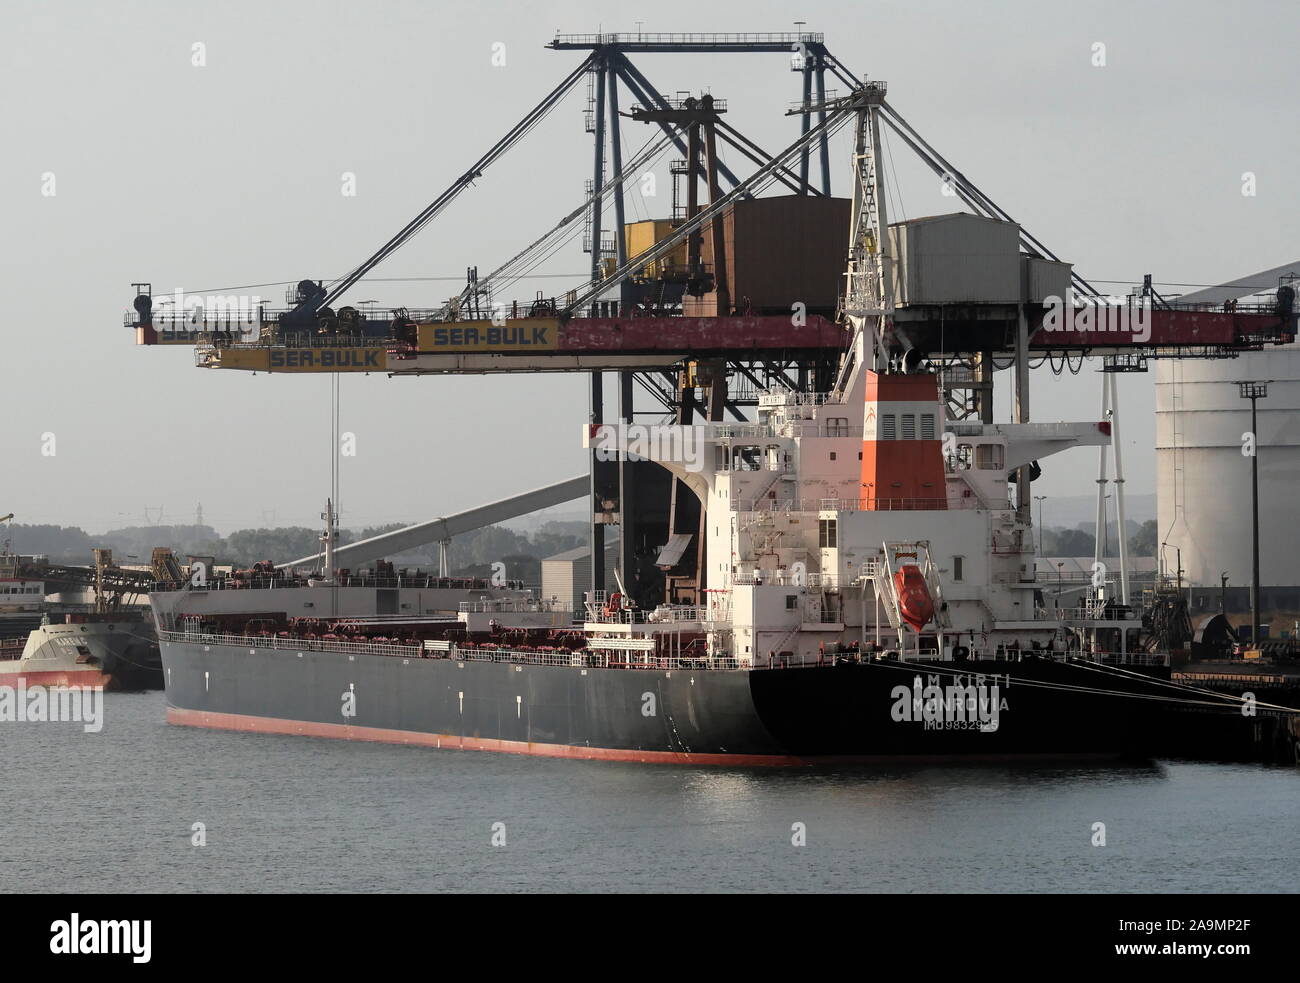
column 826, row 533
column 837, row 426
column 988, row 457
column 961, row 459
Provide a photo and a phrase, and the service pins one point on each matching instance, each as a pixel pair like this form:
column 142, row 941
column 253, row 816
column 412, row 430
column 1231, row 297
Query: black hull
column 767, row 716
column 133, row 661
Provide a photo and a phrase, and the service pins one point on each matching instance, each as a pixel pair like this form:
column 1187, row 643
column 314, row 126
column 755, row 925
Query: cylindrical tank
column 1203, row 478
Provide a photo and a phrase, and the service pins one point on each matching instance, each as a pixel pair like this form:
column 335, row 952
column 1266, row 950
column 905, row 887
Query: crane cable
column 754, row 183
column 649, row 152
column 413, row 227
column 646, row 156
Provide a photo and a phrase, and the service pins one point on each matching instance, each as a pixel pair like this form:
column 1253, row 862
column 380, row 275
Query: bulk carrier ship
column 838, row 626
column 75, row 645
column 863, row 584
column 114, row 651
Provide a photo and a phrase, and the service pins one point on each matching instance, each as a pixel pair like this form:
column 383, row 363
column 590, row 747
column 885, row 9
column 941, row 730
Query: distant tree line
column 1142, row 540
column 470, row 554
column 473, row 552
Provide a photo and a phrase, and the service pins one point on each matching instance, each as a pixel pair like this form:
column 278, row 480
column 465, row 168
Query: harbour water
column 115, row 811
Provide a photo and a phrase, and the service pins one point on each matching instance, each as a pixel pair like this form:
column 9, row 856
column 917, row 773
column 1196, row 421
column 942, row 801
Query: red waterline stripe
column 306, row 728
column 347, row 732
column 74, row 679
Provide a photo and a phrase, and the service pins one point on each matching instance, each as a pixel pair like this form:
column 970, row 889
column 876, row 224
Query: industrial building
column 566, row 576
column 780, row 250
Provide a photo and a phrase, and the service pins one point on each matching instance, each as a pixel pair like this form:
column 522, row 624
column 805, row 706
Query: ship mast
column 327, row 539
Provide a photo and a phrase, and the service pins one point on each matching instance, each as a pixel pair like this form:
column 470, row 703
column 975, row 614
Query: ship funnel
column 902, row 443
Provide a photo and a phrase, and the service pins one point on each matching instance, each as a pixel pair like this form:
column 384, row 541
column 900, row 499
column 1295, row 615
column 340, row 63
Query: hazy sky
column 230, row 174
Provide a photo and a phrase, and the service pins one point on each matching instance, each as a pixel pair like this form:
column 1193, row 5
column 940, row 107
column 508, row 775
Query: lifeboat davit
column 914, row 601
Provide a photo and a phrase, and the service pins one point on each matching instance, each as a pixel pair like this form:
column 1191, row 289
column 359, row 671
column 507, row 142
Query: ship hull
column 117, row 655
column 77, row 677
column 847, row 712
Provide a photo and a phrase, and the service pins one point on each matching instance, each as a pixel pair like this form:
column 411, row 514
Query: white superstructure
column 814, row 510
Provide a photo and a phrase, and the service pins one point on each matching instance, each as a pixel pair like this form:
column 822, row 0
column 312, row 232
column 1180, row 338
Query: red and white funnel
column 902, row 443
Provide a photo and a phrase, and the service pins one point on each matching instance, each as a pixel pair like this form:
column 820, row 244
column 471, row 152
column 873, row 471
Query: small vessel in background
column 22, row 597
column 101, row 643
column 118, row 651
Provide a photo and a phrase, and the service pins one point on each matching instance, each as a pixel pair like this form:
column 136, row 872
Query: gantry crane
column 668, row 354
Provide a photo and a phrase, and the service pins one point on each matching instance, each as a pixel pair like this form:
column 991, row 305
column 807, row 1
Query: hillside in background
column 475, row 551
column 471, row 554
column 1080, row 511
column 1081, row 541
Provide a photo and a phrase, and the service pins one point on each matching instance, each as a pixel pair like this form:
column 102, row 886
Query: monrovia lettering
column 956, row 705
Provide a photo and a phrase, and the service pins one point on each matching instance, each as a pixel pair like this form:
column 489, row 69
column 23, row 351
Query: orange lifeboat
column 914, row 601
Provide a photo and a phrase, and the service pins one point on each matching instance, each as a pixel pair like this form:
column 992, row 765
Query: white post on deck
column 1101, row 476
column 1119, row 489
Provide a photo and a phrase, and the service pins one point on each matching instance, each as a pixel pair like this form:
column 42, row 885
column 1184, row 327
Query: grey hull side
column 529, row 708
column 764, row 716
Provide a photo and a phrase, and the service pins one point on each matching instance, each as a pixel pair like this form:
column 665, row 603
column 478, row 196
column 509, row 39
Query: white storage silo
column 1203, row 482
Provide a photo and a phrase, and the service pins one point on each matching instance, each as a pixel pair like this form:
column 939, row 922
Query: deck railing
column 854, row 505
column 583, row 658
column 422, row 581
column 686, row 40
column 615, row 659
